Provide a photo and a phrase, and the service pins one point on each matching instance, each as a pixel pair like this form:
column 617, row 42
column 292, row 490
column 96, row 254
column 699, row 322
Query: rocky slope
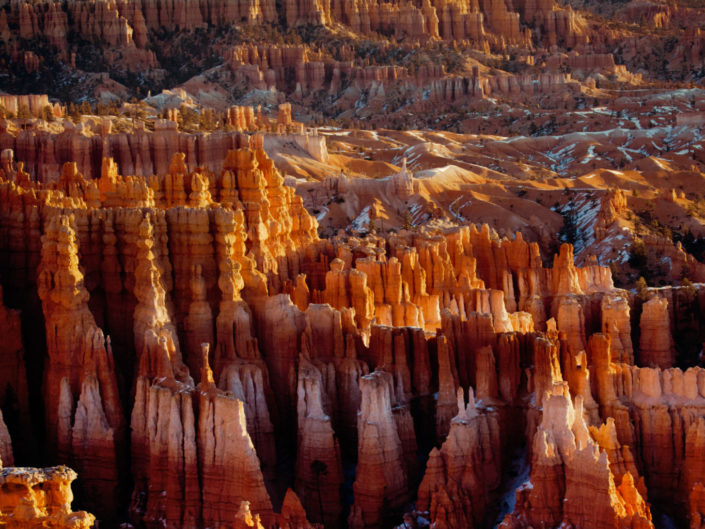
column 346, row 61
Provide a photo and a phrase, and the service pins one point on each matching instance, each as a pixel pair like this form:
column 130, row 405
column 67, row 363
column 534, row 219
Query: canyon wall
column 198, row 311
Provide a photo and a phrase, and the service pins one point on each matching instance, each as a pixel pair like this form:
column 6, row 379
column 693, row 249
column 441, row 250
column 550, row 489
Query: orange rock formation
column 326, row 352
column 40, row 498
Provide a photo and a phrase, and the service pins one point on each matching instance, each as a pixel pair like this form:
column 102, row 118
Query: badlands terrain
column 322, row 264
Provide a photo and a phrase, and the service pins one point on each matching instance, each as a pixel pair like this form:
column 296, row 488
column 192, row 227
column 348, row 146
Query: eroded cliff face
column 578, row 475
column 134, row 39
column 44, row 154
column 102, row 264
column 462, row 477
column 201, row 310
column 126, row 25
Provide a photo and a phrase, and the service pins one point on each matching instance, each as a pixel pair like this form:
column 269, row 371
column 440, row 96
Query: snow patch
column 322, row 214
column 520, row 481
column 590, row 154
column 362, row 221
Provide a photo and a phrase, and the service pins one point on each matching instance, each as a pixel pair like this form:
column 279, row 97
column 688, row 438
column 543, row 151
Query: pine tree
column 407, row 221
column 85, row 108
column 48, row 113
column 688, row 288
column 642, row 290
column 74, row 113
column 23, row 112
column 114, row 108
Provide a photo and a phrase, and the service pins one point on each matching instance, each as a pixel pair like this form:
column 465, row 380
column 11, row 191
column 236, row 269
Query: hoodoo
column 318, row 264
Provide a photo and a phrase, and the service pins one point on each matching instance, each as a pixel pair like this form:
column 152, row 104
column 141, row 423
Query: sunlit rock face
column 40, row 497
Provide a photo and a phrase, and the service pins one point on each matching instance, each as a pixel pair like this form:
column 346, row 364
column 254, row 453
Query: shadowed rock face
column 269, row 377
